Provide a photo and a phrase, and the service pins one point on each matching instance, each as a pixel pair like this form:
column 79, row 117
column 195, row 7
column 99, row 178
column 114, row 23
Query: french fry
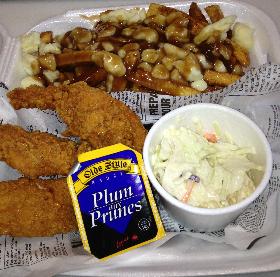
column 214, row 12
column 197, row 20
column 197, row 14
column 74, row 58
column 119, row 84
column 219, row 78
column 143, row 78
column 195, row 27
column 241, row 54
column 93, row 76
column 155, row 9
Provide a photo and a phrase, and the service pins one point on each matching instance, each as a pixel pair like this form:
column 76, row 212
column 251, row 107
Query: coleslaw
column 206, row 170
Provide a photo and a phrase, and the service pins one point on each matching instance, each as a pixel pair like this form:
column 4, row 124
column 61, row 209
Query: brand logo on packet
column 103, row 167
column 112, row 201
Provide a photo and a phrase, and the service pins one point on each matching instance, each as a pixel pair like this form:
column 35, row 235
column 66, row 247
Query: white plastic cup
column 243, row 131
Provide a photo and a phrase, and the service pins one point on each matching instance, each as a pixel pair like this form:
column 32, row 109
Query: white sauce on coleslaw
column 221, row 168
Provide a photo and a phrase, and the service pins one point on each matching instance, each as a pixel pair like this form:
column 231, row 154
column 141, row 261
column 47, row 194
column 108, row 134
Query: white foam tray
column 182, row 255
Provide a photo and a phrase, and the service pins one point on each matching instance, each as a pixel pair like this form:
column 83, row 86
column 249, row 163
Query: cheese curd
column 53, row 48
column 51, row 75
column 221, row 26
column 243, row 35
column 128, row 17
column 30, row 42
column 31, row 81
column 199, row 85
column 30, row 64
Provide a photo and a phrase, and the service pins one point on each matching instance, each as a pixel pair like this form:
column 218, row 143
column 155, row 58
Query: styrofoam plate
column 182, row 255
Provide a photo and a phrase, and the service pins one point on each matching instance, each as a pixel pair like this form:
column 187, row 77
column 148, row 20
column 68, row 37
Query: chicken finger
column 35, row 208
column 34, row 153
column 90, row 113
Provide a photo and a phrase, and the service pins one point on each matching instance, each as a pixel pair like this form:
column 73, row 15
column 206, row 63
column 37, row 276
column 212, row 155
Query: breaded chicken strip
column 35, row 208
column 35, row 97
column 90, row 113
column 34, row 153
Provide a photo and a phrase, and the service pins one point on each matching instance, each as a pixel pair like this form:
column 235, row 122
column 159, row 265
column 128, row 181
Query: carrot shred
column 190, row 185
column 211, row 137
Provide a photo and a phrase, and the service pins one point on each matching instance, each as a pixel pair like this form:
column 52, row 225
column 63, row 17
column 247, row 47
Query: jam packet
column 113, row 201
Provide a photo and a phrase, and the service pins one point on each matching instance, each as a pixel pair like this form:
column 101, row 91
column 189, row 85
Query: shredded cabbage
column 223, row 167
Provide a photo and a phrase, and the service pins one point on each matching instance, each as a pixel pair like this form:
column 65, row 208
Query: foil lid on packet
column 113, row 201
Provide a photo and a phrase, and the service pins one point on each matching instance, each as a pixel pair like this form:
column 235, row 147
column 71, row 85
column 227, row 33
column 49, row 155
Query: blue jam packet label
column 113, row 201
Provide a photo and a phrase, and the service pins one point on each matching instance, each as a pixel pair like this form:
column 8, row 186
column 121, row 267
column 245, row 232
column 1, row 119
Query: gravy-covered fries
column 163, row 49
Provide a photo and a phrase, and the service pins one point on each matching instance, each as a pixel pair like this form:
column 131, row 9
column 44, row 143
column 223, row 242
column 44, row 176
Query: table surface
column 17, row 17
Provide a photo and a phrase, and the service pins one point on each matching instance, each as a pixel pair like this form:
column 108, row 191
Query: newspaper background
column 257, row 94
